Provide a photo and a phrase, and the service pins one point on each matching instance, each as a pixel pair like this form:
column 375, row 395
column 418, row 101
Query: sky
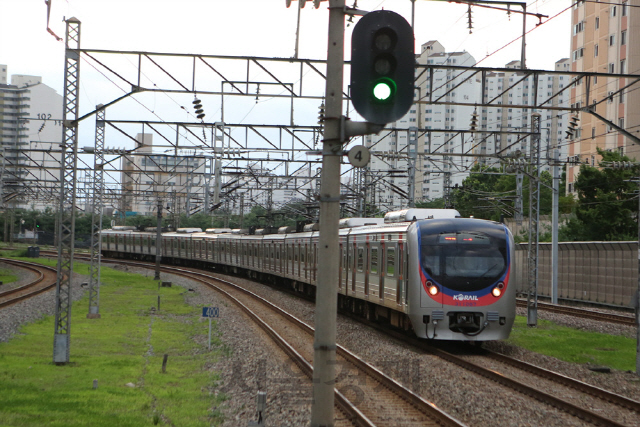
column 260, row 28
column 265, row 28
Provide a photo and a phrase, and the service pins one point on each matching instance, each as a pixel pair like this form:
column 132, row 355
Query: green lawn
column 7, row 276
column 575, row 346
column 125, row 346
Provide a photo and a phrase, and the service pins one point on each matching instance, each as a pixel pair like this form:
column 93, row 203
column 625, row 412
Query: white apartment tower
column 437, row 127
column 31, row 118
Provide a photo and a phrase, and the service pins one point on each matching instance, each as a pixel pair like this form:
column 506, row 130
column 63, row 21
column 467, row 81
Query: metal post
column 554, row 225
column 412, row 147
column 324, row 344
column 534, row 205
column 158, row 240
column 66, row 214
column 96, row 217
column 637, row 302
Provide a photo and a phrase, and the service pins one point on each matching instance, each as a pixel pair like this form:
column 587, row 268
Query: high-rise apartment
column 440, row 161
column 605, row 39
column 31, row 132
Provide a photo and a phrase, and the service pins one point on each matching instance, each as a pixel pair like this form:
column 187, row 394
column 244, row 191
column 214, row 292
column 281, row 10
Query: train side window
column 374, row 260
column 391, row 261
column 360, row 259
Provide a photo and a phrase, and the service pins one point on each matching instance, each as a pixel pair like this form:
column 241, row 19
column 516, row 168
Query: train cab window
column 391, row 261
column 374, row 260
column 360, row 259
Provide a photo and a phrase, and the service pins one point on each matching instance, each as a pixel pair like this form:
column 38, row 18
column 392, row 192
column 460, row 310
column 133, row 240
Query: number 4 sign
column 359, row 156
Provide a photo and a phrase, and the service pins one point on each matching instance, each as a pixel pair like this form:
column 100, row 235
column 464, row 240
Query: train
column 428, row 271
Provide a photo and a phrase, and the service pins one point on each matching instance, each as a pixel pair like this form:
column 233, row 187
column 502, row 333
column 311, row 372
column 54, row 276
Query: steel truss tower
column 68, row 172
column 96, row 217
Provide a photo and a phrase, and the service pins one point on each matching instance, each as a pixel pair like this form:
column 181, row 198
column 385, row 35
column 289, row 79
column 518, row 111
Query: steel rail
column 26, row 291
column 421, row 404
column 584, row 313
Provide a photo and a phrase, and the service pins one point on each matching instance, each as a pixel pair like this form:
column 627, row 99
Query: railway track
column 588, row 403
column 370, row 398
column 44, row 281
column 583, row 313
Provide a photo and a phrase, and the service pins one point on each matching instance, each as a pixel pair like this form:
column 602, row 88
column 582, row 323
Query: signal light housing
column 382, row 67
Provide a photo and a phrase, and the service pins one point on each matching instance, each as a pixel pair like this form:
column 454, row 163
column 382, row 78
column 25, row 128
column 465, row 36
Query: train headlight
column 432, row 289
column 496, row 292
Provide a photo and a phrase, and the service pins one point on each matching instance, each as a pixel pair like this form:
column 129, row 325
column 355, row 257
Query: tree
column 606, row 209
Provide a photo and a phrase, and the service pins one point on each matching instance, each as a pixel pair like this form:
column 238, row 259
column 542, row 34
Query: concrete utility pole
column 324, row 345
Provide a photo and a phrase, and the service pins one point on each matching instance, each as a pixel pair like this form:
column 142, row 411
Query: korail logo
column 462, row 297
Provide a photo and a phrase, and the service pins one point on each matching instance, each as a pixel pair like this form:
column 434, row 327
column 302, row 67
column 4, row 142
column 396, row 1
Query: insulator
column 200, row 116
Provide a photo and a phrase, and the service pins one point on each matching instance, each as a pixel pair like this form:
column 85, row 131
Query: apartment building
column 605, row 39
column 31, row 132
column 147, row 175
column 438, row 131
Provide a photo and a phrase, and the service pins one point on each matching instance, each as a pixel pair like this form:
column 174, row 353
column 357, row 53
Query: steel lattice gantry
column 68, row 172
column 96, row 217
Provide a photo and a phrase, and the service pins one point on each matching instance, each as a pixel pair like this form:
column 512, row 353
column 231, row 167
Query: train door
column 374, row 272
column 340, row 268
column 360, row 266
column 314, row 264
column 367, row 264
column 403, row 275
column 354, row 260
column 390, row 280
column 381, row 271
column 296, row 256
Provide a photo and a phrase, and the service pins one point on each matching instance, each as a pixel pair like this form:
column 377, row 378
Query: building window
column 612, row 40
column 612, row 68
column 624, row 9
column 613, row 11
column 623, row 66
column 593, row 132
column 623, row 38
column 621, row 122
column 597, row 23
column 595, row 50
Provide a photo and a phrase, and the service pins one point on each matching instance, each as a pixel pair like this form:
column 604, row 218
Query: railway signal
column 382, row 66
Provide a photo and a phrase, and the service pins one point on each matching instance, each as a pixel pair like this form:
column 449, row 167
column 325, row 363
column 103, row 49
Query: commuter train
column 426, row 270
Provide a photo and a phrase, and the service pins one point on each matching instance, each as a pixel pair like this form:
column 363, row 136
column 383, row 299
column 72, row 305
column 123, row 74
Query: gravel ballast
column 250, row 363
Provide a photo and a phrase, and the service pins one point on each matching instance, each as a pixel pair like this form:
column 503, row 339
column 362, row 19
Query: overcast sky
column 263, row 28
column 260, row 28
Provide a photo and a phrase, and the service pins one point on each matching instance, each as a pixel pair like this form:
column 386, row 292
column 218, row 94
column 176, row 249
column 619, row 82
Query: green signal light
column 384, row 89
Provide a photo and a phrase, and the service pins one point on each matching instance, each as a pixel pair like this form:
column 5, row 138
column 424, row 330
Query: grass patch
column 575, row 346
column 7, row 276
column 126, row 345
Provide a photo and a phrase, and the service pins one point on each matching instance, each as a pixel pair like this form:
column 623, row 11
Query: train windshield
column 464, row 260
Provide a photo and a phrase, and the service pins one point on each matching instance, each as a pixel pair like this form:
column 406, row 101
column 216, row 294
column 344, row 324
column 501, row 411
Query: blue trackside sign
column 210, row 312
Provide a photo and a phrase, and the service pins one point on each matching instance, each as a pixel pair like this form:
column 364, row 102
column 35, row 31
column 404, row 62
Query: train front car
column 462, row 279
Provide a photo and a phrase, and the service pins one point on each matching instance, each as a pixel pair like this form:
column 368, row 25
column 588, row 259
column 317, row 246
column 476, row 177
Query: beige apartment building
column 605, row 39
